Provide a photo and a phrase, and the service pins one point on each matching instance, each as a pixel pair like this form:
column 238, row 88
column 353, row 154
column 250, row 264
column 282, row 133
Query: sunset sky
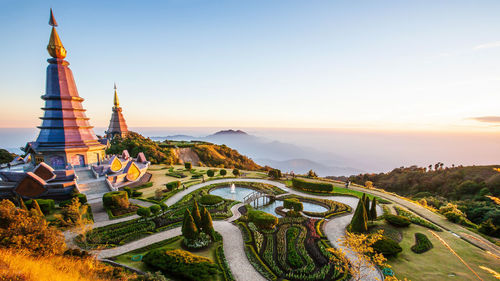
column 388, row 65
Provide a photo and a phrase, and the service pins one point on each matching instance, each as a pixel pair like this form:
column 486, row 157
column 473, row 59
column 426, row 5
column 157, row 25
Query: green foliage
column 487, row 227
column 293, row 203
column 189, row 228
column 359, row 221
column 312, row 186
column 136, row 143
column 398, row 221
column 109, row 199
column 206, row 223
column 36, row 208
column 46, row 206
column 5, row 156
column 236, row 172
column 453, row 214
column 224, row 157
column 136, row 193
column 182, row 264
column 144, row 212
column 209, row 199
column 373, row 209
column 155, row 209
column 262, row 219
column 173, row 185
column 210, row 173
column 416, row 220
column 293, row 257
column 195, row 212
column 222, row 172
column 188, row 166
column 274, row 173
column 422, row 243
column 387, row 247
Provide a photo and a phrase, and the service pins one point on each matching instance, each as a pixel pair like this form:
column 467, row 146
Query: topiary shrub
column 210, row 199
column 293, row 203
column 398, row 221
column 262, row 219
column 236, row 172
column 312, row 186
column 188, row 165
column 136, row 193
column 222, row 172
column 210, row 173
column 173, row 185
column 387, row 247
column 422, row 243
column 182, row 264
column 144, row 212
column 155, row 209
column 109, row 199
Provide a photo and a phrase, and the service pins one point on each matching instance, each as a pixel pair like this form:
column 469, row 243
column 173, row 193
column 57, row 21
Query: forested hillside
column 467, row 187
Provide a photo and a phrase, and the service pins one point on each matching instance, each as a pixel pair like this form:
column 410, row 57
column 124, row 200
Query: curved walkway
column 233, row 243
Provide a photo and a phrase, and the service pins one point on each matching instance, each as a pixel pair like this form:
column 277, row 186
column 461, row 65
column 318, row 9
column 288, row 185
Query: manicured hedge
column 387, row 247
column 210, row 199
column 107, row 199
column 182, row 264
column 422, row 243
column 399, row 221
column 262, row 219
column 173, row 185
column 312, row 186
column 293, row 203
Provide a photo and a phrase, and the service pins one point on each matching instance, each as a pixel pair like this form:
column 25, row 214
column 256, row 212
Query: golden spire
column 116, row 101
column 55, row 47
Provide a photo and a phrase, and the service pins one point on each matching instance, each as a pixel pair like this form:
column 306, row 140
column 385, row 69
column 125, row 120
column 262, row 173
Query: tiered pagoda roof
column 117, row 124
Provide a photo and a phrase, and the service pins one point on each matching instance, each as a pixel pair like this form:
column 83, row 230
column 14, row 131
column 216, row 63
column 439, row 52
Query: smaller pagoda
column 117, row 126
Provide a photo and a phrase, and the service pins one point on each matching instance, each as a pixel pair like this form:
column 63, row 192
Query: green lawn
column 439, row 263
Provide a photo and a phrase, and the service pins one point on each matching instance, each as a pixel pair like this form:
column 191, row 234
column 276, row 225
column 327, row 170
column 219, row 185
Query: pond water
column 241, row 192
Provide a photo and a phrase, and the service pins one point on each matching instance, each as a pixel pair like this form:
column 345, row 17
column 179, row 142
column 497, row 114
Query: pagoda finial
column 55, row 47
column 116, row 101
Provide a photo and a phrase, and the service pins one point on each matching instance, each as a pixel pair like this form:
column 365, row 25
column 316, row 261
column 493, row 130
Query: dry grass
column 19, row 266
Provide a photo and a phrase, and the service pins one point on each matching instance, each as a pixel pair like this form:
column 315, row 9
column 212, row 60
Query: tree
column 223, row 172
column 274, row 173
column 359, row 222
column 188, row 165
column 236, row 172
column 144, row 212
column 195, row 212
column 206, row 223
column 311, row 174
column 210, row 173
column 367, row 207
column 360, row 246
column 368, row 184
column 5, row 156
column 23, row 230
column 373, row 209
column 36, row 208
column 189, row 229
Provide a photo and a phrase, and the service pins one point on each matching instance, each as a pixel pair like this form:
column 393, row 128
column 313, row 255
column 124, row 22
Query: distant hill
column 286, row 156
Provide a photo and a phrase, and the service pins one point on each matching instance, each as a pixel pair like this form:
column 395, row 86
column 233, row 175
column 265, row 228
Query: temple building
column 117, row 125
column 66, row 137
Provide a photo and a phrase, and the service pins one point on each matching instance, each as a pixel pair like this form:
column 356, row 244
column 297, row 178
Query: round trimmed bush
column 210, row 173
column 223, row 172
column 210, row 199
column 262, row 219
column 155, row 209
column 398, row 221
column 387, row 247
column 422, row 243
column 173, row 185
column 108, row 201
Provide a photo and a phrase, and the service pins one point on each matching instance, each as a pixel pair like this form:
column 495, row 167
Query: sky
column 367, row 65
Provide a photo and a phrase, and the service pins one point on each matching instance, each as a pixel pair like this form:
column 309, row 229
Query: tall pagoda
column 117, row 125
column 66, row 136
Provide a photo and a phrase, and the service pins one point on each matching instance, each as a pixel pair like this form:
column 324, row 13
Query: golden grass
column 19, row 266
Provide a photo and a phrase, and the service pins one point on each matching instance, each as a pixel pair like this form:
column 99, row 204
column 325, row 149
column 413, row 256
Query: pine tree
column 206, row 222
column 359, row 222
column 367, row 206
column 196, row 214
column 36, row 207
column 189, row 229
column 373, row 210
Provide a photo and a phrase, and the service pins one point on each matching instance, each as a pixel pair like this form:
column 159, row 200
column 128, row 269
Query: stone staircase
column 89, row 185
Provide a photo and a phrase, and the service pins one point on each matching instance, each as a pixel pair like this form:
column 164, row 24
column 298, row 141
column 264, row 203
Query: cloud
column 488, row 45
column 487, row 119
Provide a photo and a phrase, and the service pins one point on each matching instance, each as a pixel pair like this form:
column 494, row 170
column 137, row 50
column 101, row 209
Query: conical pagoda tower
column 117, row 125
column 66, row 136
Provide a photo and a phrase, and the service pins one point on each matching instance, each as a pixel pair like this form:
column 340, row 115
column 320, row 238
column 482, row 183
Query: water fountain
column 233, row 188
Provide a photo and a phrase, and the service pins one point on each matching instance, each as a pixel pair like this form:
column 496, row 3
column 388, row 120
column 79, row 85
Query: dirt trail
column 187, row 154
